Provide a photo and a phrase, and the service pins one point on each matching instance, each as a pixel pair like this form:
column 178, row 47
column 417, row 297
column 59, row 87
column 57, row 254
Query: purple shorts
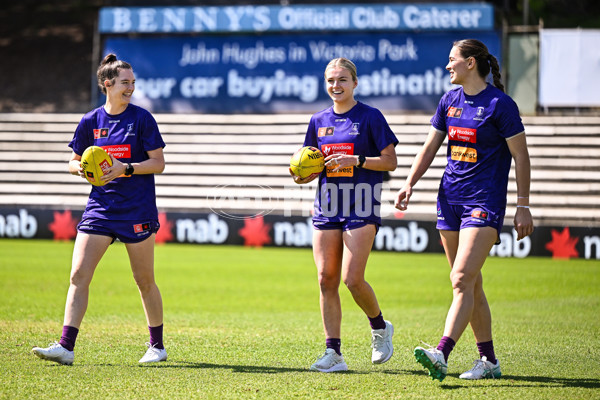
column 345, row 224
column 452, row 217
column 125, row 231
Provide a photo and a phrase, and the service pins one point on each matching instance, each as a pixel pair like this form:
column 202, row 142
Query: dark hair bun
column 109, row 58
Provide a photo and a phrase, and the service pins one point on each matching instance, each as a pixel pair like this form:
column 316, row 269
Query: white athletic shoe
column 482, row 369
column 381, row 342
column 330, row 361
column 55, row 352
column 153, row 355
column 432, row 359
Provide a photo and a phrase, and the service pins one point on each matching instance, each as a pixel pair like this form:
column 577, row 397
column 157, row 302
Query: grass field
column 245, row 323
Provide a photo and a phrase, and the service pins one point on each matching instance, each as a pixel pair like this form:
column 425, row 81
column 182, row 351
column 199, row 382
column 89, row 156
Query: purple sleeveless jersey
column 127, row 136
column 478, row 156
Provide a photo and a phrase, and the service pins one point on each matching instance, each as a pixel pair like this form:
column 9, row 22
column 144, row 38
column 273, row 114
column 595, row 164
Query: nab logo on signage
column 18, row 225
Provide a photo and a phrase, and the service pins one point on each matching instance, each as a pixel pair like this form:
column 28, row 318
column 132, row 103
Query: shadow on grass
column 254, row 369
column 589, row 383
column 505, row 381
column 513, row 381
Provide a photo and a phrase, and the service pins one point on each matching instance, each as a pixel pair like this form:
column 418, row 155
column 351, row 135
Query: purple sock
column 68, row 338
column 445, row 346
column 335, row 344
column 378, row 322
column 487, row 349
column 156, row 336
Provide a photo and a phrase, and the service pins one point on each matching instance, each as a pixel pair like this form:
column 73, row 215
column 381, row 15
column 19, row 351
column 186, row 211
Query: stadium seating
column 239, row 163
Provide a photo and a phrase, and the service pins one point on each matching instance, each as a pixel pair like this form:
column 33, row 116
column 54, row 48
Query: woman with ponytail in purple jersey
column 485, row 133
column 124, row 208
column 358, row 146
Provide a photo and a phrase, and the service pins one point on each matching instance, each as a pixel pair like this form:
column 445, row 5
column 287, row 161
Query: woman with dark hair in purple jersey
column 124, row 208
column 485, row 133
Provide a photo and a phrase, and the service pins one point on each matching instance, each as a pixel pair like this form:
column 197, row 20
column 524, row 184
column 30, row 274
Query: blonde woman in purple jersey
column 358, row 145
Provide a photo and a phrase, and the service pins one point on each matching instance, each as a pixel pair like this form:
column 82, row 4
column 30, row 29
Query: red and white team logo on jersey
column 462, row 134
column 101, row 133
column 119, row 150
column 454, row 112
column 325, row 131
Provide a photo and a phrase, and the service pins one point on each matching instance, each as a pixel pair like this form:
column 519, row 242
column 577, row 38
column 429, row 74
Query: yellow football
column 306, row 161
column 94, row 162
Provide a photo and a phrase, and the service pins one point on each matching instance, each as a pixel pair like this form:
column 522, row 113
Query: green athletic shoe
column 433, row 360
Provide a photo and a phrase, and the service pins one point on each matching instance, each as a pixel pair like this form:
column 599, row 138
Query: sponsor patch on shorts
column 141, row 228
column 480, row 214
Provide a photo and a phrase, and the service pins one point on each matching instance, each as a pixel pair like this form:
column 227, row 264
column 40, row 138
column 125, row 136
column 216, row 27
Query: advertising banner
column 247, row 18
column 395, row 235
column 275, row 73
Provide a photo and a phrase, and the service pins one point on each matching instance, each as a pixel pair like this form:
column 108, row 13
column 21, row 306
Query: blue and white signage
column 273, row 73
column 298, row 18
